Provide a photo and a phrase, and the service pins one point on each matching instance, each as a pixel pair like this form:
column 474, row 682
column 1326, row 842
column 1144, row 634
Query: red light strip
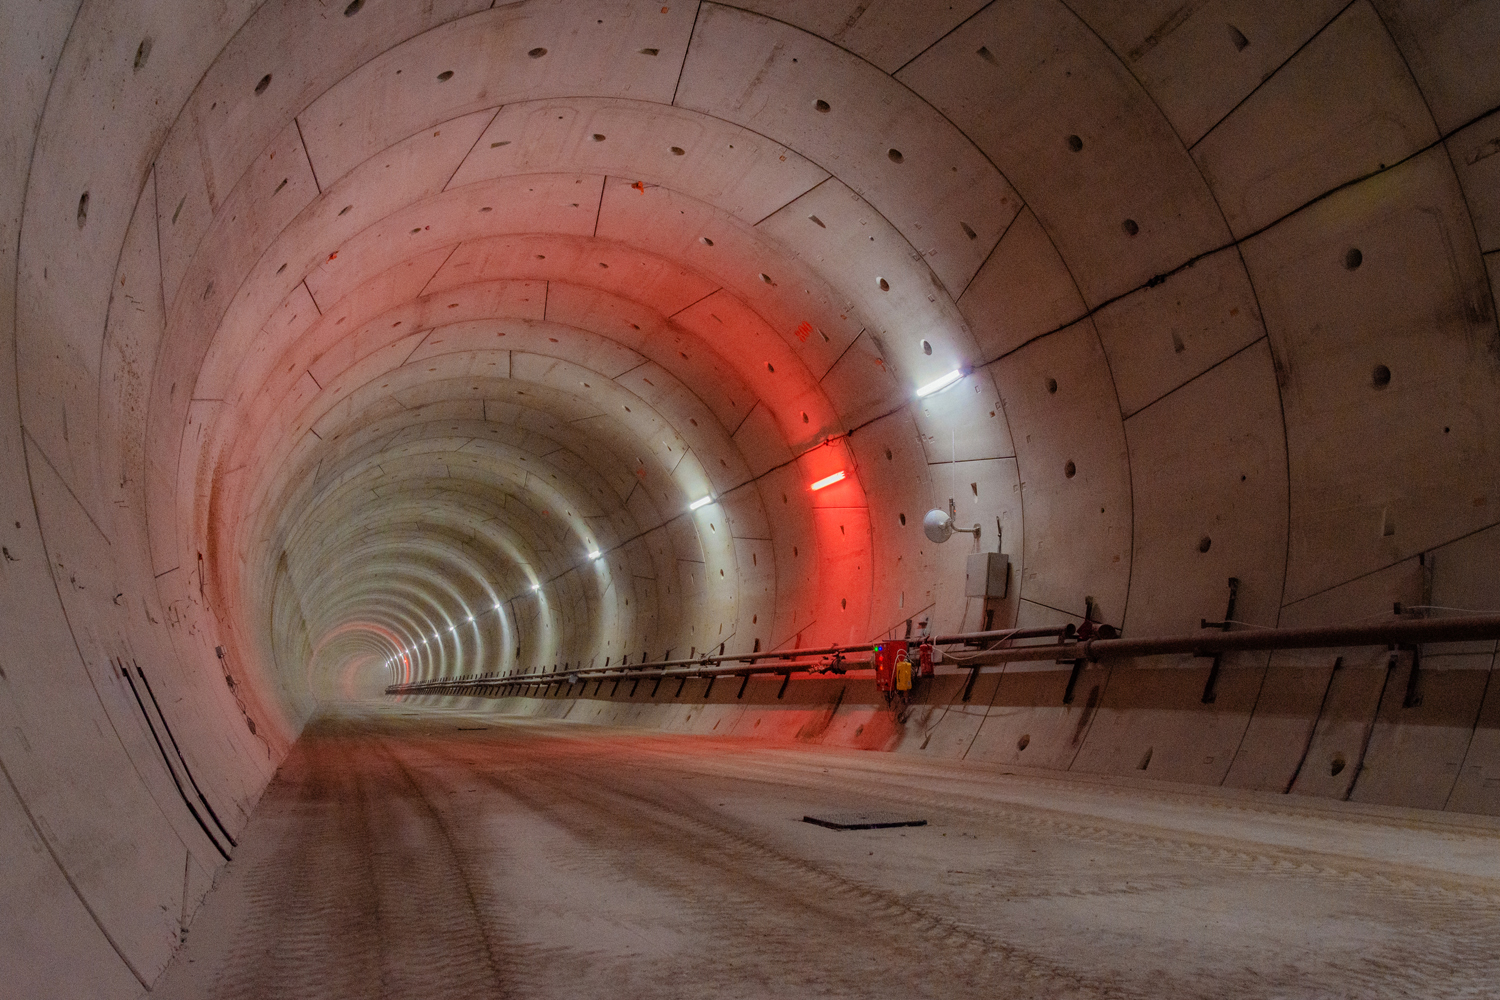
column 828, row 480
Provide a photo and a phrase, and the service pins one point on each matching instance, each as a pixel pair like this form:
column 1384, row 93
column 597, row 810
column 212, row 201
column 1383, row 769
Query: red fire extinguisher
column 924, row 666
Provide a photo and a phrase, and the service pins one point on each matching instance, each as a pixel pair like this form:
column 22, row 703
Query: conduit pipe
column 1467, row 629
column 705, row 666
column 1405, row 633
column 792, row 660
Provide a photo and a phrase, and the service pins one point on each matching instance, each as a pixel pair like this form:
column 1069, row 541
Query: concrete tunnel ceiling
column 460, row 311
column 461, row 344
column 416, row 331
column 588, row 313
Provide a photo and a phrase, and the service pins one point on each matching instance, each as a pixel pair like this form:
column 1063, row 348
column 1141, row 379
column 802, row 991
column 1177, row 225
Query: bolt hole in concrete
column 597, row 137
column 766, row 278
column 926, row 347
column 265, row 81
column 142, row 53
column 1238, row 38
column 822, row 106
column 1335, row 764
column 1353, row 258
column 969, row 231
column 1075, row 143
column 1052, row 385
column 1069, row 469
column 705, row 241
column 1023, row 742
column 902, row 518
column 1379, row 378
column 1205, row 543
column 83, row 209
column 1130, row 227
column 883, row 285
column 649, row 52
column 678, row 151
column 353, row 8
column 537, row 52
column 445, row 76
column 1145, row 761
column 895, row 155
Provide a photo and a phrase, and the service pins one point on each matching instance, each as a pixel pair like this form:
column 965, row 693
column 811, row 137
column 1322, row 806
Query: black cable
column 167, row 761
column 185, row 769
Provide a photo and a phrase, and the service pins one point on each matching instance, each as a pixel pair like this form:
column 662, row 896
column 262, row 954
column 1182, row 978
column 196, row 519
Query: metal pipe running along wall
column 1207, row 643
column 788, row 661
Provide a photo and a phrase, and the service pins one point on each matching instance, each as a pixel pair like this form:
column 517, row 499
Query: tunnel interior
column 373, row 343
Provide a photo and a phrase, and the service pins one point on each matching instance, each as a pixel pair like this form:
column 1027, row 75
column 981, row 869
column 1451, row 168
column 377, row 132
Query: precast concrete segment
column 565, row 861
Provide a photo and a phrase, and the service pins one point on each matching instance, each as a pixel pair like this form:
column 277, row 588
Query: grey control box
column 987, row 574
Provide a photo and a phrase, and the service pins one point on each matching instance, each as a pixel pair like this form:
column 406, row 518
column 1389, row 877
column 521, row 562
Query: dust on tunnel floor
column 449, row 855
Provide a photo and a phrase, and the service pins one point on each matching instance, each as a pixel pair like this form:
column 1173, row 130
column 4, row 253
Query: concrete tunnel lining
column 332, row 332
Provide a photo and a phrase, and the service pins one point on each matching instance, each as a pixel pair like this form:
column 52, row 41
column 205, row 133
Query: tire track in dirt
column 778, row 902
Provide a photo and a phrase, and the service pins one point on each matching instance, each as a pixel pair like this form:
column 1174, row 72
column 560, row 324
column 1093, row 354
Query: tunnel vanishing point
column 366, row 344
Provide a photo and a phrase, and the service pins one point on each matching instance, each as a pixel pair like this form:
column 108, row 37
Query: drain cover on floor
column 862, row 821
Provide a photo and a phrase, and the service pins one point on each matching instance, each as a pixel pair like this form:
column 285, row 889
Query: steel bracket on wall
column 969, row 687
column 1072, row 680
column 1413, row 698
column 1211, row 685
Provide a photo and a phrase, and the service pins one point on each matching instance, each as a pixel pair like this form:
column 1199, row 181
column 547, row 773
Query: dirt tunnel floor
column 450, row 855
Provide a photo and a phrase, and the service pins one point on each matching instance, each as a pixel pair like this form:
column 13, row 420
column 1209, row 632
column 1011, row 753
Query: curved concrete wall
column 345, row 335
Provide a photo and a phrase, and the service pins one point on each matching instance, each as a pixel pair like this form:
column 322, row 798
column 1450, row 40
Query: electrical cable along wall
column 385, row 343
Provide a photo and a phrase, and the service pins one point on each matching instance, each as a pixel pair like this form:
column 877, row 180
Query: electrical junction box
column 987, row 575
